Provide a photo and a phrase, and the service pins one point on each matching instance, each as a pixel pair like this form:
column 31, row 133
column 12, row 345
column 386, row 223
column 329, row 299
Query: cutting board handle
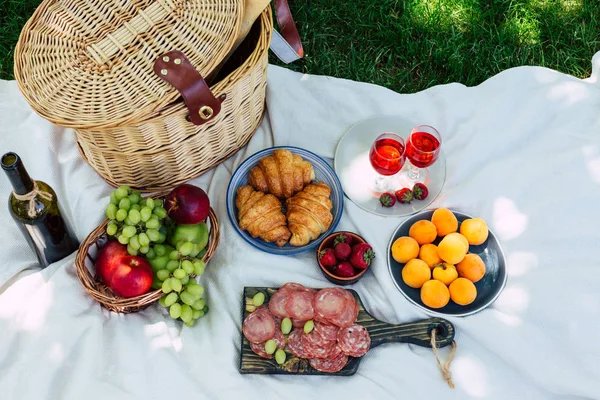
column 418, row 332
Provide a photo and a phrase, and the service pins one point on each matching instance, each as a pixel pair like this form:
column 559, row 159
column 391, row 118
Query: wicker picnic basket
column 86, row 272
column 120, row 74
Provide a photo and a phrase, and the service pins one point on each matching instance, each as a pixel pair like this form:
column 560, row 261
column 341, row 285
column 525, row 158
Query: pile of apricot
column 446, row 271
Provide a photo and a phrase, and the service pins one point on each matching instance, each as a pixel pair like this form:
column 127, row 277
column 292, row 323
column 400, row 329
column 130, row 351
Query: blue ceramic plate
column 323, row 173
column 488, row 288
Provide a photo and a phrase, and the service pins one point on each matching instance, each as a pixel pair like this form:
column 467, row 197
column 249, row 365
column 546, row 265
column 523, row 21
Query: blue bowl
column 323, row 173
column 488, row 288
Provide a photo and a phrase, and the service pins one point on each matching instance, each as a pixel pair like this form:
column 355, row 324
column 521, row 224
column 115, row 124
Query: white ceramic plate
column 357, row 176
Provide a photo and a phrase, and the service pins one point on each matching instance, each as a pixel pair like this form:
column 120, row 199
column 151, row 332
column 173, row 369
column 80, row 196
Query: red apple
column 132, row 277
column 108, row 258
column 187, row 204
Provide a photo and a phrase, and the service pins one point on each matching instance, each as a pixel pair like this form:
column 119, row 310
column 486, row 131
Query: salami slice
column 335, row 352
column 259, row 348
column 292, row 286
column 316, row 347
column 317, row 340
column 350, row 313
column 294, row 344
column 296, row 323
column 278, row 301
column 330, row 302
column 299, row 305
column 345, row 319
column 354, row 340
column 258, row 327
column 326, row 331
column 328, row 364
column 352, row 301
column 323, row 320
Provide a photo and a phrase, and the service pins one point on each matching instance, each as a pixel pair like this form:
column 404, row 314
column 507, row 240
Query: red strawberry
column 420, row 191
column 387, row 199
column 344, row 269
column 342, row 251
column 404, row 195
column 327, row 258
column 362, row 255
column 342, row 238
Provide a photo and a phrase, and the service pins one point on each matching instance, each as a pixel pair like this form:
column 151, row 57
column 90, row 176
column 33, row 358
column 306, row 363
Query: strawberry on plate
column 420, row 191
column 404, row 195
column 387, row 199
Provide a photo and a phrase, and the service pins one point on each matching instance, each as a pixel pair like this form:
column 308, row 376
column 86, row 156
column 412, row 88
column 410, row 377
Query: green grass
column 410, row 45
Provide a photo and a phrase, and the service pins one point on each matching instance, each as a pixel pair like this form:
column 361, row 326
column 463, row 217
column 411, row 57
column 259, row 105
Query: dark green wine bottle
column 34, row 207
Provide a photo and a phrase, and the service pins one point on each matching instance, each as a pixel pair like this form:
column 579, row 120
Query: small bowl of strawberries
column 344, row 257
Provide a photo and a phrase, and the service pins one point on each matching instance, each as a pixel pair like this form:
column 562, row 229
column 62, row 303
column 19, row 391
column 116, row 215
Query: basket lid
column 89, row 64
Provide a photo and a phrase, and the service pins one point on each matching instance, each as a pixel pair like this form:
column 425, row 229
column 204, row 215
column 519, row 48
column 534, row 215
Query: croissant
column 282, row 174
column 260, row 214
column 309, row 213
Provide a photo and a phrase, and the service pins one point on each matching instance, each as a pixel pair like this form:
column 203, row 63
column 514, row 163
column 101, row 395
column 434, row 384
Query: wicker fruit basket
column 85, row 260
column 93, row 67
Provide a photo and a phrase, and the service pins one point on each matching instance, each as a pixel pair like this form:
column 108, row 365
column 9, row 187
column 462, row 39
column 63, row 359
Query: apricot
column 471, row 267
column 462, row 291
column 445, row 221
column 423, row 232
column 452, row 249
column 445, row 273
column 415, row 273
column 475, row 230
column 405, row 249
column 462, row 239
column 435, row 294
column 429, row 254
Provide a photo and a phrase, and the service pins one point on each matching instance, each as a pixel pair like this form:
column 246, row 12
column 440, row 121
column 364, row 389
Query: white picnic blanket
column 523, row 152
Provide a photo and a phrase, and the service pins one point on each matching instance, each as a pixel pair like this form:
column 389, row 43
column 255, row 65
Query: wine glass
column 387, row 157
column 422, row 150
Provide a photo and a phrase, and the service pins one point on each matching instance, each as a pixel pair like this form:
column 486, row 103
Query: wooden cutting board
column 381, row 332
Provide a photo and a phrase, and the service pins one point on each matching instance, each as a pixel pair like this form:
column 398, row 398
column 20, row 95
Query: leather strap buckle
column 173, row 67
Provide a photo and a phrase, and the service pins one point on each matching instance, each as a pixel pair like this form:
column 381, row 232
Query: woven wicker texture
column 84, row 266
column 88, row 63
column 165, row 149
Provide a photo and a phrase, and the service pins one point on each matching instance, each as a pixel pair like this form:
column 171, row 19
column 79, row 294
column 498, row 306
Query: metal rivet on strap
column 166, row 58
column 177, row 61
column 205, row 112
column 163, row 71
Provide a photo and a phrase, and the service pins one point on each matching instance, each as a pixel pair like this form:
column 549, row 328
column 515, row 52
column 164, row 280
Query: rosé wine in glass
column 387, row 157
column 422, row 149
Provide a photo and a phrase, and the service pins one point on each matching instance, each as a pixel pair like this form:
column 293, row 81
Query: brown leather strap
column 174, row 68
column 287, row 26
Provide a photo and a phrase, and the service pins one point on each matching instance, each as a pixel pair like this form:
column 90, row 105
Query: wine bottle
column 34, row 207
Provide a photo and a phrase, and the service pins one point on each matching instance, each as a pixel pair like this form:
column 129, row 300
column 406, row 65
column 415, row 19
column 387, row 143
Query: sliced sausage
column 299, row 305
column 326, row 330
column 294, row 344
column 258, row 327
column 354, row 340
column 259, row 348
column 330, row 302
column 329, row 364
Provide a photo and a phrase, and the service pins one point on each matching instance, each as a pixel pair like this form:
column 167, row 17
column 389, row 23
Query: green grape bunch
column 176, row 273
column 136, row 222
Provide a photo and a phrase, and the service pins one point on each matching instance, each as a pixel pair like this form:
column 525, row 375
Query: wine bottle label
column 30, row 197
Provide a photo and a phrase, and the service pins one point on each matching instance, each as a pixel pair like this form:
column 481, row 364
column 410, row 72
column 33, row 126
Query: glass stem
column 414, row 173
column 380, row 183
